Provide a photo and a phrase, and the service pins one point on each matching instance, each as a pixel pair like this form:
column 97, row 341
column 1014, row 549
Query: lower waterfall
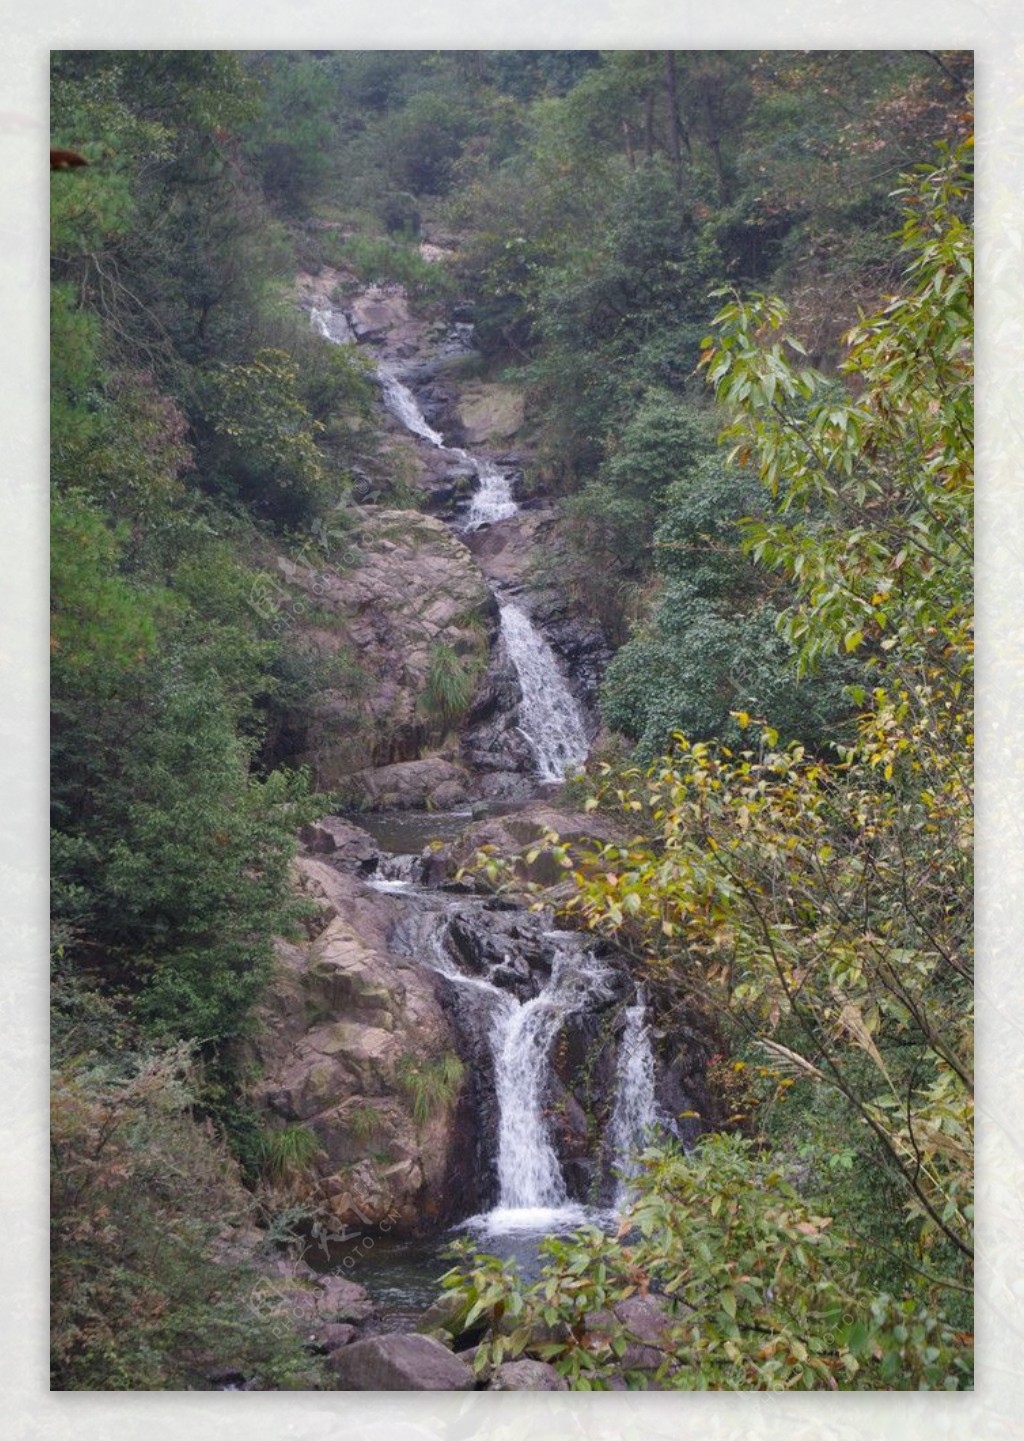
column 528, row 1169
column 636, row 1109
column 532, row 1193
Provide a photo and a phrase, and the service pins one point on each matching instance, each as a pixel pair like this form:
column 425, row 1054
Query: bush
column 142, row 1298
column 758, row 1291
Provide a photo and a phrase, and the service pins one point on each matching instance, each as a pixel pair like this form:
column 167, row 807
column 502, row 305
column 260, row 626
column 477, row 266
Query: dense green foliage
column 816, row 905
column 183, row 435
column 758, row 1292
column 144, row 1294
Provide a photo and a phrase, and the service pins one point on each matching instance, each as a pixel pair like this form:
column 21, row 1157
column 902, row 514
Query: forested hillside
column 731, row 294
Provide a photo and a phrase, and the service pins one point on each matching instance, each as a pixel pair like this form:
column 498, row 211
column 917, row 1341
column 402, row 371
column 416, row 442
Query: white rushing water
column 531, row 1189
column 492, row 499
column 549, row 717
column 636, row 1108
column 401, row 402
column 528, row 1171
column 332, row 325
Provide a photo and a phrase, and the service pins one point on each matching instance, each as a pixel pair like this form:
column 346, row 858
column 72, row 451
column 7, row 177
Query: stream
column 515, row 1009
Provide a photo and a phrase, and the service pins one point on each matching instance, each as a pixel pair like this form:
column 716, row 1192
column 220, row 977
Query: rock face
column 400, row 1363
column 433, row 783
column 353, row 1034
column 413, row 589
column 489, row 413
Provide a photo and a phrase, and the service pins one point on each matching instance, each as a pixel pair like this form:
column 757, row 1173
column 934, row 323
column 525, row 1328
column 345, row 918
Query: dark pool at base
column 403, row 1276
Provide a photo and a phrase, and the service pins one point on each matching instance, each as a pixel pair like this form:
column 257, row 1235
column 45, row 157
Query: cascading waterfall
column 636, row 1109
column 332, row 325
column 401, row 402
column 528, row 1171
column 492, row 499
column 521, row 1035
column 549, row 717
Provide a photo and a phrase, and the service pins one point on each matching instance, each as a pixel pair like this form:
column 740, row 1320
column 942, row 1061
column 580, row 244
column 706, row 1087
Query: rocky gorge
column 454, row 1055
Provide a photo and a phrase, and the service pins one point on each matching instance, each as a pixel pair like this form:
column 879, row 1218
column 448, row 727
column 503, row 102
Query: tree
column 820, row 907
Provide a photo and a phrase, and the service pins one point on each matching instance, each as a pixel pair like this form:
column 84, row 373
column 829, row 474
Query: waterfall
column 401, row 402
column 636, row 1109
column 332, row 324
column 549, row 717
column 492, row 499
column 520, row 1036
column 528, row 1169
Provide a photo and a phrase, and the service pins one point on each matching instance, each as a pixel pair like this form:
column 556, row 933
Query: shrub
column 144, row 1296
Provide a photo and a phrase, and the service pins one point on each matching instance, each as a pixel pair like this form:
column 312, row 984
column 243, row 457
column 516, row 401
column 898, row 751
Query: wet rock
column 400, row 1363
column 527, row 1375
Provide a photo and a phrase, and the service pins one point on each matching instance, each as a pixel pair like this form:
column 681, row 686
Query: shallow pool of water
column 406, row 833
column 403, row 1277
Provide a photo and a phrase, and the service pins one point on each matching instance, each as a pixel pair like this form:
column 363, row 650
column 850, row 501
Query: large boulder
column 339, row 839
column 431, row 783
column 399, row 1363
column 489, row 412
column 518, row 831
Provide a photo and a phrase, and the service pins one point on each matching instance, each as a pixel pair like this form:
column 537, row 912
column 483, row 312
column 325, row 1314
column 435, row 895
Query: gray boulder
column 399, row 1363
column 528, row 1375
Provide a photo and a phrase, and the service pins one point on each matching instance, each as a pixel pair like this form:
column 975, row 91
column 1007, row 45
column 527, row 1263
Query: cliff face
column 410, row 594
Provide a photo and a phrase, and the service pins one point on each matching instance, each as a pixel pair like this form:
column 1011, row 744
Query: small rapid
column 492, row 500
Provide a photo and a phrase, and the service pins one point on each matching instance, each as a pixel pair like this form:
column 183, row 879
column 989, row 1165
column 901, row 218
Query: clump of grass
column 364, row 1121
column 430, row 1085
column 449, row 686
column 285, row 1155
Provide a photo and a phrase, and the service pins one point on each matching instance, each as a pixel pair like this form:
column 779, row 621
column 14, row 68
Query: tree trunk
column 676, row 132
